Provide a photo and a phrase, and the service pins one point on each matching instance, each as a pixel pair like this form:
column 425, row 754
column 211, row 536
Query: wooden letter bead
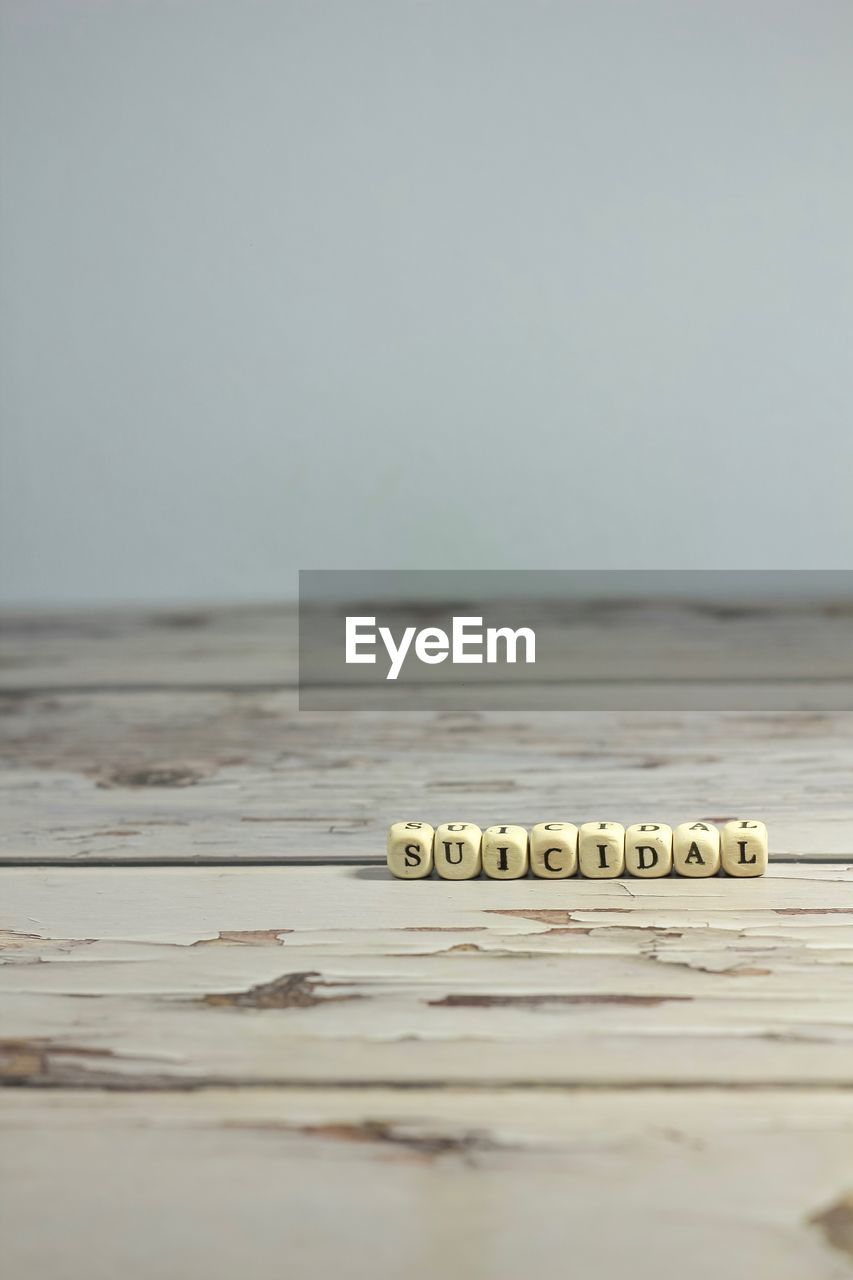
column 744, row 848
column 601, row 850
column 696, row 849
column 410, row 850
column 648, row 850
column 457, row 850
column 554, row 850
column 505, row 852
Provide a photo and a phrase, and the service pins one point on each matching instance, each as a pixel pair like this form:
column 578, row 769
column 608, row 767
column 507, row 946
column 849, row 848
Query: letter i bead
column 410, row 850
column 744, row 848
column 505, row 854
column 601, row 850
column 457, row 850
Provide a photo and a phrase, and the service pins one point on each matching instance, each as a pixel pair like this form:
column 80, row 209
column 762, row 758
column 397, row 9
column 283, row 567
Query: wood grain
column 174, row 737
column 195, row 977
column 695, row 642
column 217, row 1069
column 382, row 1183
column 227, row 776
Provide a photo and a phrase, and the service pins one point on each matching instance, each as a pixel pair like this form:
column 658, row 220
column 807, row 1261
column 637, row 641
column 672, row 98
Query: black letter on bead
column 641, row 862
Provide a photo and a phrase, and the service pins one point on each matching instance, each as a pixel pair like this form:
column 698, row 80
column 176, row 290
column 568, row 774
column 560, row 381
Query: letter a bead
column 457, row 850
column 696, row 849
column 744, row 848
column 410, row 850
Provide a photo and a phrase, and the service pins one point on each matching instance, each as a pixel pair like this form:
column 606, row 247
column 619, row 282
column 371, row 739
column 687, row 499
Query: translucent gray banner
column 538, row 639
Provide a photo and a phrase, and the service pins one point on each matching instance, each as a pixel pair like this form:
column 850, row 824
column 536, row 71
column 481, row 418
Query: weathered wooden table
column 234, row 1046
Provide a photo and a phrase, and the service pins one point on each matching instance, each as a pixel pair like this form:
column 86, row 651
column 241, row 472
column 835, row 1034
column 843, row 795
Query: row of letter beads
column 557, row 850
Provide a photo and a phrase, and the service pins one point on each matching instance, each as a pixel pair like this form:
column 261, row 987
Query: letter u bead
column 457, row 850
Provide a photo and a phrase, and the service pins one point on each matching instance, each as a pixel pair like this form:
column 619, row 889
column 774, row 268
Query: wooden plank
column 389, row 1183
column 207, row 777
column 460, row 1079
column 133, row 648
column 258, row 647
column 167, row 773
column 150, row 979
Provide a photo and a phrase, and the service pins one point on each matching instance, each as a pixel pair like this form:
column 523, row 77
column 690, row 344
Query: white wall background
column 389, row 283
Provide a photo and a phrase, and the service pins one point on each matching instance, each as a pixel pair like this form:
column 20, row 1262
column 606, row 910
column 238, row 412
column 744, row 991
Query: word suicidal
column 594, row 850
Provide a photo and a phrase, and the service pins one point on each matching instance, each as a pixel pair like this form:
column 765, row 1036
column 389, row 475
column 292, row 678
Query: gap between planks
column 533, row 1084
column 354, row 860
column 333, row 860
column 336, row 686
